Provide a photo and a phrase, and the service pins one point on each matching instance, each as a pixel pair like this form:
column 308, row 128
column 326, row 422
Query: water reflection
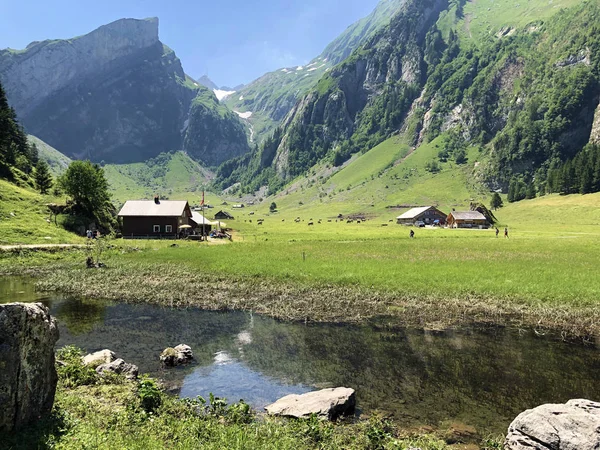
column 482, row 378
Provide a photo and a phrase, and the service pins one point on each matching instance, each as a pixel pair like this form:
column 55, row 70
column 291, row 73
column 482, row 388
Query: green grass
column 23, row 218
column 486, row 17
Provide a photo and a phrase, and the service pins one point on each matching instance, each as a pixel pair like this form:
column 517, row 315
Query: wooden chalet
column 467, row 219
column 426, row 214
column 223, row 215
column 154, row 219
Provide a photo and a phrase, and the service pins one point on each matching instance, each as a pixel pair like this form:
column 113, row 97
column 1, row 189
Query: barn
column 426, row 214
column 154, row 219
column 223, row 215
column 467, row 219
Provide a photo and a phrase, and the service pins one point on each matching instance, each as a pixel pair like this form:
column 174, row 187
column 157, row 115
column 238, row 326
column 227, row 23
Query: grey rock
column 176, row 356
column 118, row 366
column 27, row 374
column 329, row 403
column 99, row 357
column 574, row 425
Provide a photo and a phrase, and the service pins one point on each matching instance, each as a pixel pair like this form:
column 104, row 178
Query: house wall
column 469, row 223
column 144, row 226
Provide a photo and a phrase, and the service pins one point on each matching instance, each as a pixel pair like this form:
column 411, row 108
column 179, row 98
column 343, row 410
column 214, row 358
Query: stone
column 574, row 425
column 99, row 357
column 176, row 356
column 330, row 403
column 118, row 366
column 28, row 376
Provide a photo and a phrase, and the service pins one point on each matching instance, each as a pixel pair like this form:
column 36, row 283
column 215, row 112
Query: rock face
column 27, row 374
column 176, row 356
column 329, row 403
column 116, row 94
column 571, row 426
column 118, row 366
column 99, row 357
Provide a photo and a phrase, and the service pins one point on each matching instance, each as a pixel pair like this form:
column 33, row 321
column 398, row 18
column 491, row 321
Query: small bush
column 149, row 393
column 71, row 370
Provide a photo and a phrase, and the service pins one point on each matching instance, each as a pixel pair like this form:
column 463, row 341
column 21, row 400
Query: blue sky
column 233, row 41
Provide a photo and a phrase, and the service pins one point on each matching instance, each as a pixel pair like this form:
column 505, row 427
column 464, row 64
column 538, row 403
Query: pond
column 480, row 378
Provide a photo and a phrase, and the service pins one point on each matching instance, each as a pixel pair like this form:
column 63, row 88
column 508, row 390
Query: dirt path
column 10, row 248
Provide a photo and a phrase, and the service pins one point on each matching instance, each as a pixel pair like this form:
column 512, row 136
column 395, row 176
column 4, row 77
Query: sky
column 231, row 41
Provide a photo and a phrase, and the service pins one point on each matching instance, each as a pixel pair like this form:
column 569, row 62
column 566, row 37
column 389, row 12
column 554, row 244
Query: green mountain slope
column 270, row 98
column 170, row 175
column 483, row 74
column 57, row 162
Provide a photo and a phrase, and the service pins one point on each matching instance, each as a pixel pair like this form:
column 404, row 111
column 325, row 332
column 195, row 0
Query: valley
column 486, row 108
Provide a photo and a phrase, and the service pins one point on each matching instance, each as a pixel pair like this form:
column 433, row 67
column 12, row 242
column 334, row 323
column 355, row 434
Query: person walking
column 412, row 234
column 506, row 232
column 497, row 231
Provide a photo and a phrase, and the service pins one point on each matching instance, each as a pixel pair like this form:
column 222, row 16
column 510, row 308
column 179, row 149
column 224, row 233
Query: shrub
column 71, row 370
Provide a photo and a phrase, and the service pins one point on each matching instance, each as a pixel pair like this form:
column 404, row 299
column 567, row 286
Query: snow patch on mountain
column 244, row 115
column 221, row 94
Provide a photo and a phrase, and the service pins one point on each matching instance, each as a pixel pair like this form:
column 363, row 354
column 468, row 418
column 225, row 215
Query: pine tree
column 530, row 193
column 496, row 201
column 511, row 191
column 43, row 179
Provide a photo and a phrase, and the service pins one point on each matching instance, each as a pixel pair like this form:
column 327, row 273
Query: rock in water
column 176, row 356
column 130, row 371
column 574, row 425
column 27, row 373
column 330, row 403
column 100, row 357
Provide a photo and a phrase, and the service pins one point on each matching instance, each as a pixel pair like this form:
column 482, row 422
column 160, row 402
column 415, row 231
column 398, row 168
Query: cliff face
column 391, row 62
column 214, row 134
column 116, row 94
column 43, row 68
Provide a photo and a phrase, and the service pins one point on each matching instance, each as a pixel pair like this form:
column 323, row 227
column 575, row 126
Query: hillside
column 520, row 84
column 267, row 100
column 57, row 162
column 25, row 219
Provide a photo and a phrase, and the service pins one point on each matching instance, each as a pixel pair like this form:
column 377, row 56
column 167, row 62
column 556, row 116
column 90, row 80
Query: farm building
column 222, row 215
column 467, row 219
column 425, row 214
column 154, row 219
column 201, row 224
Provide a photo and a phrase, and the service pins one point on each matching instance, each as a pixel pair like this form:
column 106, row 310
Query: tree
column 84, row 182
column 496, row 201
column 273, row 207
column 530, row 192
column 43, row 179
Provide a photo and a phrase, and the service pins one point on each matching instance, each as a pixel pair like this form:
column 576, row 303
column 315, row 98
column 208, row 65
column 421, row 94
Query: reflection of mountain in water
column 482, row 378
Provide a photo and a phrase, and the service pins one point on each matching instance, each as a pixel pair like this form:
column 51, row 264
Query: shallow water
column 477, row 377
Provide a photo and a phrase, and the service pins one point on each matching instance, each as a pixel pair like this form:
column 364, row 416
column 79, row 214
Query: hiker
column 497, row 231
column 506, row 232
column 412, row 234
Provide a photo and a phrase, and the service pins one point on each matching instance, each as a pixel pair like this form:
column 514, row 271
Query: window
column 168, row 228
column 156, row 228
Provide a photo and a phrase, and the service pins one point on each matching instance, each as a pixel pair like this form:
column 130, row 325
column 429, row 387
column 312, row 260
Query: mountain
column 267, row 100
column 520, row 84
column 116, row 94
column 207, row 82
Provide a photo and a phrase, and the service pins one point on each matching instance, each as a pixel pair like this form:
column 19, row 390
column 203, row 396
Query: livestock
column 310, row 223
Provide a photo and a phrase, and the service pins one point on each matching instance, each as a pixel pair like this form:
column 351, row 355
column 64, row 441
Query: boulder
column 574, row 425
column 27, row 374
column 175, row 356
column 118, row 366
column 100, row 357
column 329, row 403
